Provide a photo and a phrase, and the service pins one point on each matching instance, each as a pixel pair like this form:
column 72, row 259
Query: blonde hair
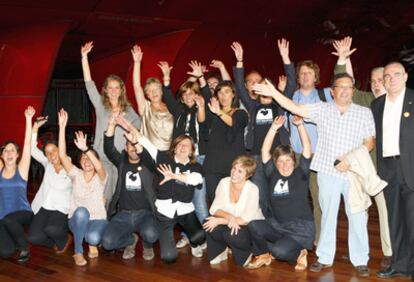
column 150, row 81
column 246, row 162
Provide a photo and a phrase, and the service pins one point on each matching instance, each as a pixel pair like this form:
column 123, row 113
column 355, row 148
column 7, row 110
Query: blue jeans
column 83, row 228
column 118, row 233
column 330, row 190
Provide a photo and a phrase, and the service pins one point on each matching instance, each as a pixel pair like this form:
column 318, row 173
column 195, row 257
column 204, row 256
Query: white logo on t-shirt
column 133, row 181
column 281, row 188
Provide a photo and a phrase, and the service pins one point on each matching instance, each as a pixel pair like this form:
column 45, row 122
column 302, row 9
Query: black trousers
column 14, row 225
column 266, row 239
column 49, row 228
column 220, row 238
column 400, row 204
column 192, row 228
column 212, row 180
column 7, row 245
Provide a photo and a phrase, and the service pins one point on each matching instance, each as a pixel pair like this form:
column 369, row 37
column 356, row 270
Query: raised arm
column 344, row 52
column 35, row 152
column 81, row 143
column 166, row 72
column 136, row 78
column 85, row 49
column 222, row 68
column 197, row 72
column 267, row 89
column 283, row 46
column 304, row 137
column 270, row 136
column 64, row 159
column 291, row 85
column 214, row 107
column 109, row 148
column 24, row 163
column 201, row 109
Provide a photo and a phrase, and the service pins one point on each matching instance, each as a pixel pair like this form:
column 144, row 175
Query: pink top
column 87, row 194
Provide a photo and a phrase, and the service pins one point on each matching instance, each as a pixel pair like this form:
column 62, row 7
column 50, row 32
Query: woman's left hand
column 167, row 172
column 233, row 225
column 214, row 106
column 80, row 140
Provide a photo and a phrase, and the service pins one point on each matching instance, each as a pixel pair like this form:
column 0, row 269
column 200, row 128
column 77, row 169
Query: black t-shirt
column 265, row 115
column 133, row 196
column 174, row 189
column 289, row 196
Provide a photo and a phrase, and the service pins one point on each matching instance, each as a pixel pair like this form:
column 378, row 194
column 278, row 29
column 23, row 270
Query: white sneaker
column 197, row 252
column 221, row 257
column 204, row 246
column 182, row 243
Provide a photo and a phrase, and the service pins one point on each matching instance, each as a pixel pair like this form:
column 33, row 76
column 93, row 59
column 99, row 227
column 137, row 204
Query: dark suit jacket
column 406, row 136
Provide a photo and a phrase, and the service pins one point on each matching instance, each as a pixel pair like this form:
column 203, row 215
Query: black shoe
column 23, row 256
column 362, row 270
column 390, row 273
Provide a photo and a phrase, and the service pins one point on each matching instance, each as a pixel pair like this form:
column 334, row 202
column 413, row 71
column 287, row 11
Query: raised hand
column 165, row 68
column 199, row 100
column 80, row 140
column 278, row 122
column 217, row 64
column 63, row 118
column 264, row 89
column 282, row 83
column 283, row 46
column 136, row 53
column 343, row 47
column 238, row 51
column 167, row 172
column 197, row 70
column 86, row 48
column 214, row 106
column 40, row 121
column 131, row 136
column 29, row 112
column 297, row 120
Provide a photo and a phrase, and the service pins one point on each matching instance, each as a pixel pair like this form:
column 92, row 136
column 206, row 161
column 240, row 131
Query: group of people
column 232, row 163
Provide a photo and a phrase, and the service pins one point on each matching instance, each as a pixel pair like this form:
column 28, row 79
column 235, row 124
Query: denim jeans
column 118, row 233
column 83, row 228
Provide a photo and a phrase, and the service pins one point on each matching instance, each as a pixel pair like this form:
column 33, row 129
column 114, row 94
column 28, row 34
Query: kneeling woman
column 182, row 174
column 290, row 229
column 87, row 214
column 235, row 205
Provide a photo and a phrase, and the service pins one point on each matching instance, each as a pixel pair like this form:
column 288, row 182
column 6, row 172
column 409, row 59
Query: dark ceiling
column 387, row 25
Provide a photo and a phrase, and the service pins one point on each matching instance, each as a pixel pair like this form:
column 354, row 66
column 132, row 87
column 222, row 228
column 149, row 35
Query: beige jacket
column 363, row 179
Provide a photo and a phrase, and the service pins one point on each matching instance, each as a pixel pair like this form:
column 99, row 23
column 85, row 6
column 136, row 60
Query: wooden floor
column 44, row 265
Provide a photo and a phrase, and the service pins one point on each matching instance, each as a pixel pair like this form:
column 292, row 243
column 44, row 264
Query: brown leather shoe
column 302, row 261
column 259, row 261
column 317, row 266
column 385, row 262
column 69, row 241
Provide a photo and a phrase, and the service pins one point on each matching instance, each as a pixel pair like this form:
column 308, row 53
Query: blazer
column 406, row 136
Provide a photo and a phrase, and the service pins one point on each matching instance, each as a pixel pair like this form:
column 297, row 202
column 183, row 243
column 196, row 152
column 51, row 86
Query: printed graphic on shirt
column 133, row 181
column 281, row 188
column 264, row 116
column 177, row 171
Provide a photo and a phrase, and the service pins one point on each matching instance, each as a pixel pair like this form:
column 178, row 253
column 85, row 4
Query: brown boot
column 259, row 261
column 79, row 259
column 302, row 261
column 69, row 241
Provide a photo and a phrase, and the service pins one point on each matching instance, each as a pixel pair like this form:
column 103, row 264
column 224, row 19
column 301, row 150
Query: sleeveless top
column 157, row 127
column 13, row 194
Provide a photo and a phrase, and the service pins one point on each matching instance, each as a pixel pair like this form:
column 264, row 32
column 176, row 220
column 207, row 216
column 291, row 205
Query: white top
column 391, row 126
column 247, row 207
column 55, row 191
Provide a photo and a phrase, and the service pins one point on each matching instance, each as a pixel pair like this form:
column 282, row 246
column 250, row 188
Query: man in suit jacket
column 394, row 121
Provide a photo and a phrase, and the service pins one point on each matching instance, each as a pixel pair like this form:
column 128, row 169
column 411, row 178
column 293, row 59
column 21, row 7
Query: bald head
column 395, row 78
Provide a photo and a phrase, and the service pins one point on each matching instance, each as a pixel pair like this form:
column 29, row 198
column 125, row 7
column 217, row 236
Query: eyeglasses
column 388, row 76
column 344, row 87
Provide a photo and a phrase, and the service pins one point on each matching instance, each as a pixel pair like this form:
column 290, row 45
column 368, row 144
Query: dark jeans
column 267, row 239
column 400, row 202
column 220, row 238
column 119, row 231
column 49, row 228
column 14, row 223
column 192, row 228
column 7, row 245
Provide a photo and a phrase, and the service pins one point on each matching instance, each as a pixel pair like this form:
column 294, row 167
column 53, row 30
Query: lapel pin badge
column 406, row 114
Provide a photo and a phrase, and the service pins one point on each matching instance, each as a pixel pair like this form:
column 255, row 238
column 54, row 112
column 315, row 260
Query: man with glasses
column 393, row 114
column 342, row 127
